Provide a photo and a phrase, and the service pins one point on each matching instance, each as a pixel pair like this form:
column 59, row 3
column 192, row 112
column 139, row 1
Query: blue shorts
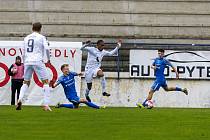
column 157, row 84
column 74, row 100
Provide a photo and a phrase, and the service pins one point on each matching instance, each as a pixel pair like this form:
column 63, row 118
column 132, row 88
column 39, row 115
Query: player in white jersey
column 34, row 47
column 92, row 68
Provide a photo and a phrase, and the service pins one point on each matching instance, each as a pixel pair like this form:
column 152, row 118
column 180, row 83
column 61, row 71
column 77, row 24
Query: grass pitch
column 32, row 123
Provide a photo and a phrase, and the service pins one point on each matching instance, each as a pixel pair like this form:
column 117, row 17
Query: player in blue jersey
column 68, row 82
column 159, row 65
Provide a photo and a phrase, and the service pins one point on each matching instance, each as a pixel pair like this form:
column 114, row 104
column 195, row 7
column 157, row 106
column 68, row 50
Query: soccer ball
column 149, row 104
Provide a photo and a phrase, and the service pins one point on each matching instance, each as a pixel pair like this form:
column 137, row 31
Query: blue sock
column 144, row 103
column 67, row 105
column 178, row 89
column 92, row 105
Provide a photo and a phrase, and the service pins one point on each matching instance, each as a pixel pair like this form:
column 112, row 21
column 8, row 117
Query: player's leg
column 23, row 90
column 88, row 79
column 42, row 73
column 75, row 103
column 103, row 82
column 155, row 87
column 46, row 92
column 149, row 97
column 65, row 105
column 90, row 104
column 28, row 71
column 87, row 91
column 166, row 88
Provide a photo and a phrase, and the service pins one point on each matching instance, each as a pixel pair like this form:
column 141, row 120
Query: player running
column 92, row 68
column 159, row 65
column 68, row 82
column 34, row 47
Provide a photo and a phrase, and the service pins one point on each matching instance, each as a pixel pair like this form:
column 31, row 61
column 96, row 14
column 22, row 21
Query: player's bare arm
column 111, row 53
column 48, row 56
column 119, row 43
column 174, row 70
column 86, row 44
column 80, row 74
column 46, row 46
column 54, row 85
column 153, row 67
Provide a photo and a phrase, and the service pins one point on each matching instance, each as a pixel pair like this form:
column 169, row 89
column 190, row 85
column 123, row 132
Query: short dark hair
column 99, row 42
column 18, row 58
column 63, row 66
column 161, row 50
column 37, row 26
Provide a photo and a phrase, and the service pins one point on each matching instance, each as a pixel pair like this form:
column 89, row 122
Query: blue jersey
column 160, row 64
column 68, row 83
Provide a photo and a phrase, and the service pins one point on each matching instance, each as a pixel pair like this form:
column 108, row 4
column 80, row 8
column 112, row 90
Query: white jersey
column 34, row 48
column 95, row 56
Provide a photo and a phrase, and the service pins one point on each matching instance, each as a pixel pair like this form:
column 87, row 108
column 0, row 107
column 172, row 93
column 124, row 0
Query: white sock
column 46, row 92
column 87, row 91
column 23, row 90
column 103, row 84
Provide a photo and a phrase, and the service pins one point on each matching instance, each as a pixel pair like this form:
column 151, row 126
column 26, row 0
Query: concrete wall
column 147, row 20
column 127, row 92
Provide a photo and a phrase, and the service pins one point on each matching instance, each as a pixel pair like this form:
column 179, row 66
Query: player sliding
column 159, row 65
column 92, row 68
column 34, row 48
column 68, row 82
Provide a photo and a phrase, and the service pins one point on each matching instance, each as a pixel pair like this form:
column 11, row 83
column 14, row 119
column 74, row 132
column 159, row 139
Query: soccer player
column 34, row 48
column 68, row 82
column 159, row 65
column 92, row 68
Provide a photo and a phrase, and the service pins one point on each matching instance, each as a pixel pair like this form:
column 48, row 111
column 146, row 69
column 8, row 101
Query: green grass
column 108, row 124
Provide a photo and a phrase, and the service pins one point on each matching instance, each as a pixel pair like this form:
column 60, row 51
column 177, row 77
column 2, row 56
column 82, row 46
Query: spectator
column 16, row 71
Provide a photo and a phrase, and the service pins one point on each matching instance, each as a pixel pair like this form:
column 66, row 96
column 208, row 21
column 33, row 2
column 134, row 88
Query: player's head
column 100, row 45
column 161, row 53
column 37, row 27
column 65, row 69
column 18, row 60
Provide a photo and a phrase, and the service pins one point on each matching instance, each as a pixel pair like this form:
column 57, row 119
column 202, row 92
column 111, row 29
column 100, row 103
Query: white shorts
column 40, row 70
column 90, row 74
